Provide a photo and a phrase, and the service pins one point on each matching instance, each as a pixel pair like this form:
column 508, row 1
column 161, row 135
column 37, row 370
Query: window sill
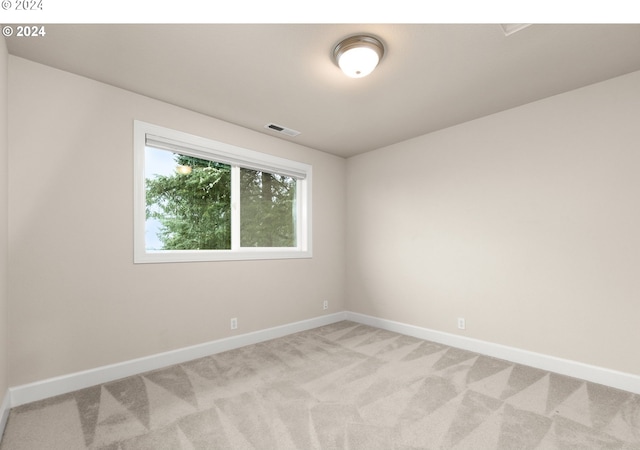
column 249, row 254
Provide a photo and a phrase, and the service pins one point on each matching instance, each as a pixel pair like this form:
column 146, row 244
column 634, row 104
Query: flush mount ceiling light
column 357, row 56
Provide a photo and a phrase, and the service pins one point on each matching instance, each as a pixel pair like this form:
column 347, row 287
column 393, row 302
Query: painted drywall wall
column 77, row 300
column 526, row 223
column 4, row 221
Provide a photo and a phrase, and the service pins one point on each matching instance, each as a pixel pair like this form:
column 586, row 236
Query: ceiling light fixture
column 357, row 56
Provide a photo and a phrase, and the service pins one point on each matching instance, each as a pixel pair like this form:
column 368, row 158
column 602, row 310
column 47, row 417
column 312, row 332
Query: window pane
column 188, row 202
column 267, row 209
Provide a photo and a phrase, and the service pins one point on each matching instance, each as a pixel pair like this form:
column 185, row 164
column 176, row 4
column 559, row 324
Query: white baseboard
column 51, row 387
column 5, row 408
column 619, row 380
column 40, row 390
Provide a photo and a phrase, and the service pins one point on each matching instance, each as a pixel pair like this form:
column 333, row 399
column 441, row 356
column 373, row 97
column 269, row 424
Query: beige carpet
column 340, row 386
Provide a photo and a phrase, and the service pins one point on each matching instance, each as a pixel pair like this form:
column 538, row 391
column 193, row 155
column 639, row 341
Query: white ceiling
column 431, row 76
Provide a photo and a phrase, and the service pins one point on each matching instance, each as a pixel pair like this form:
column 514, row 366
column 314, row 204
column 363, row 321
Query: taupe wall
column 77, row 301
column 4, row 196
column 526, row 223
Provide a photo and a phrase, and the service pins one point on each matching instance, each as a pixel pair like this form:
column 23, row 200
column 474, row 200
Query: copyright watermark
column 27, row 31
column 22, row 5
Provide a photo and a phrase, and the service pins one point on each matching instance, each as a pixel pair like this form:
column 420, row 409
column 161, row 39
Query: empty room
column 320, row 236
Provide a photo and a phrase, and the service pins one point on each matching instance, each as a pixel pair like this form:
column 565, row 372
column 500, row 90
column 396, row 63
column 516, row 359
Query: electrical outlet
column 234, row 323
column 461, row 323
column 325, row 305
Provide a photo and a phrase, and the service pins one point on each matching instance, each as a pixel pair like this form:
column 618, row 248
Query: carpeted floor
column 342, row 386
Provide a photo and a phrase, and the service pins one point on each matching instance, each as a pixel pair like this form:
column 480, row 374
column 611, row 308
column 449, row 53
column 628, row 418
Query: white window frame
column 237, row 157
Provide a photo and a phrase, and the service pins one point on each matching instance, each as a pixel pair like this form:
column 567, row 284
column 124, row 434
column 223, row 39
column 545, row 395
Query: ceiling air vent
column 281, row 129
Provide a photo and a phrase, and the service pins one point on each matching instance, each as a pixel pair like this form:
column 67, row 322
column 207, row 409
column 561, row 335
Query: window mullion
column 235, row 207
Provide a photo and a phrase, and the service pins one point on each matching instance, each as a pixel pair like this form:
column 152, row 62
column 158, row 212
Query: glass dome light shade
column 357, row 56
column 358, row 62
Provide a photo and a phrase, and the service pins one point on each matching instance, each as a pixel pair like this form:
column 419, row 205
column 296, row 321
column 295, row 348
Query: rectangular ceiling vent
column 281, row 129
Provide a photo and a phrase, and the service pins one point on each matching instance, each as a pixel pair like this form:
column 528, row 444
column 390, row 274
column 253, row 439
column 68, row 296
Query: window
column 202, row 200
